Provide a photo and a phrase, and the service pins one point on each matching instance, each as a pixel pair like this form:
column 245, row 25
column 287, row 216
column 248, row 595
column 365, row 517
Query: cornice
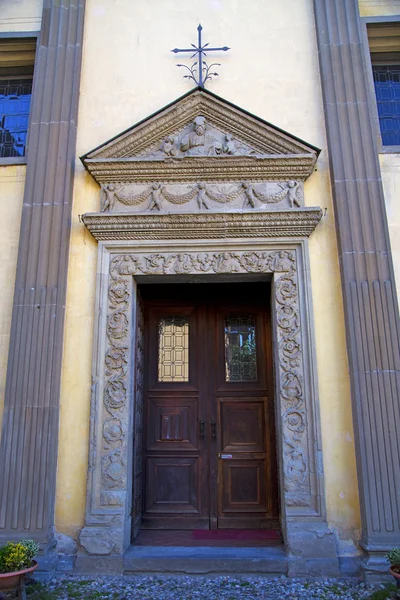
column 210, row 169
column 257, row 224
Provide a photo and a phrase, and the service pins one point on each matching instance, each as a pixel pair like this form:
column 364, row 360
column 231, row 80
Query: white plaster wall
column 20, row 15
column 378, row 8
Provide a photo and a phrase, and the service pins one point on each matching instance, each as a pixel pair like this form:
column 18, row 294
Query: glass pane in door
column 173, row 348
column 240, row 348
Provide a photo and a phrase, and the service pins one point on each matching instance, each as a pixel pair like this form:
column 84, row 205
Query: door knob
column 213, row 430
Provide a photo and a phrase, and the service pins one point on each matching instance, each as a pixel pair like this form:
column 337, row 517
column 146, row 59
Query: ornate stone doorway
column 195, row 206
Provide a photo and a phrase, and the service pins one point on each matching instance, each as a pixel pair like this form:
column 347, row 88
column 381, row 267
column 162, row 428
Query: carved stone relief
column 162, row 197
column 114, row 450
column 199, row 138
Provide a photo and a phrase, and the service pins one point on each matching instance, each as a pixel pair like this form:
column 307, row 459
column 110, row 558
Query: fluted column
column 370, row 302
column 28, row 451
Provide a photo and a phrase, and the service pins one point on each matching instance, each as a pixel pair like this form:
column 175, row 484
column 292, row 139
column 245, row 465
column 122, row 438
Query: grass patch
column 37, row 591
column 389, row 591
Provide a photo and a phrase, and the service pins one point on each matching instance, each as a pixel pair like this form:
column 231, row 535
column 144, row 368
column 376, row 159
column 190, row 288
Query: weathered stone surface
column 65, row 544
column 97, row 541
column 270, row 561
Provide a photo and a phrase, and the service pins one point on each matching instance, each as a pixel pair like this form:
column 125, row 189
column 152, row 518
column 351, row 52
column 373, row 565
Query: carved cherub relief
column 107, row 198
column 291, row 190
column 156, row 197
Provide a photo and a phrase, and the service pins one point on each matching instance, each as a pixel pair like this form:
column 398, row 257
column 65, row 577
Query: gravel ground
column 158, row 587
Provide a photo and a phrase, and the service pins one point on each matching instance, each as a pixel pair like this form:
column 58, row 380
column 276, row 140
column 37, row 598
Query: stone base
column 350, row 566
column 375, row 568
column 205, row 560
column 311, row 550
column 104, row 565
column 48, row 563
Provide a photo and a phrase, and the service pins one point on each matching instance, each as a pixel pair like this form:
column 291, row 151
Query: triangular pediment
column 201, row 136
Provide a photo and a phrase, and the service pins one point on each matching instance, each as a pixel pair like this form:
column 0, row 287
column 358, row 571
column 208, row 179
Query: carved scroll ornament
column 283, row 264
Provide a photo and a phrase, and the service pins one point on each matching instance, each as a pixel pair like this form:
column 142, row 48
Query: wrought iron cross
column 203, row 67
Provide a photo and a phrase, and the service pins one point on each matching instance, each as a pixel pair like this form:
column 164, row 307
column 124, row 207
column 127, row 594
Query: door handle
column 202, row 429
column 213, row 430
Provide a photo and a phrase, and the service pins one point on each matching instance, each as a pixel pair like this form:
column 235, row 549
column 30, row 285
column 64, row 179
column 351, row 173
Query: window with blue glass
column 387, row 90
column 17, row 56
column 15, row 102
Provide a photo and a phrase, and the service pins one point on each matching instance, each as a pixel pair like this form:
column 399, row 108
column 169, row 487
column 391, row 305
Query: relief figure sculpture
column 201, row 196
column 155, row 198
column 250, row 198
column 200, row 142
column 292, row 189
column 107, row 201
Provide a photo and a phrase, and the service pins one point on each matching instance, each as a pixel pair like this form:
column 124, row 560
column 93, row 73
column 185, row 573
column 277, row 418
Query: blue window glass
column 15, row 101
column 387, row 90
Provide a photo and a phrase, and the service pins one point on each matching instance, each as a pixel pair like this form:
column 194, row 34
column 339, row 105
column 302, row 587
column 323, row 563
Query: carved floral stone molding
column 110, row 448
column 205, row 225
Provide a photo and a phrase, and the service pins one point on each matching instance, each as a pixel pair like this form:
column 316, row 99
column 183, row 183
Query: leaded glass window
column 387, row 90
column 240, row 348
column 173, row 348
column 15, row 102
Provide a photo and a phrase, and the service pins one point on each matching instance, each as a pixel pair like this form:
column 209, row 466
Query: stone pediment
column 201, row 137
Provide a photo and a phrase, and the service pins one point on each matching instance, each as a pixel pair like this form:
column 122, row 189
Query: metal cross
column 203, row 67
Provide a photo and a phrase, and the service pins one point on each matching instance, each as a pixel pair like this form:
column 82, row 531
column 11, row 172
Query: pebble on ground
column 184, row 587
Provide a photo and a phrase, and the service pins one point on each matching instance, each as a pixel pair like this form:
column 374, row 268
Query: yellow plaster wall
column 20, row 15
column 12, row 179
column 128, row 73
column 379, row 8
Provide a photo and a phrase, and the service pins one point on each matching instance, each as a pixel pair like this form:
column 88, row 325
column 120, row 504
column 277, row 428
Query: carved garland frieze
column 199, row 196
column 293, row 414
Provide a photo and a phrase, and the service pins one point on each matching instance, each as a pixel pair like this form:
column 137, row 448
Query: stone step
column 181, row 559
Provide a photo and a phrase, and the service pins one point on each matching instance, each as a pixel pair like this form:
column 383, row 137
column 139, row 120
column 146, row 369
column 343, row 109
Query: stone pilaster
column 28, row 451
column 369, row 292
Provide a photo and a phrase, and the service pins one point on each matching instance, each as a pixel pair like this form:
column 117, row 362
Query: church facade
column 203, row 333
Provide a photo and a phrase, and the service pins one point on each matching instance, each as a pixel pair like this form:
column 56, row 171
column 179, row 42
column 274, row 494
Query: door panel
column 172, row 485
column 210, row 445
column 242, row 425
column 172, row 423
column 243, row 485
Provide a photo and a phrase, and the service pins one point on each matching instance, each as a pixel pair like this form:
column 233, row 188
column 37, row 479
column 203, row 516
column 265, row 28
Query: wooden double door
column 209, row 459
